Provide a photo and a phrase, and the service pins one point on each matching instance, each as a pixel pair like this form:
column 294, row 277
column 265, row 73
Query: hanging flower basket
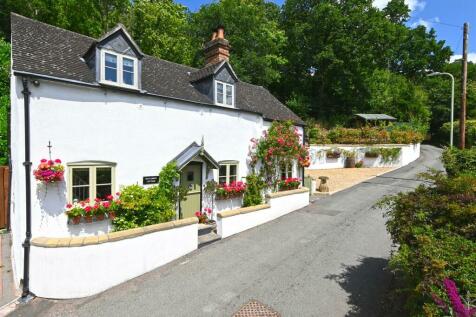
column 49, row 171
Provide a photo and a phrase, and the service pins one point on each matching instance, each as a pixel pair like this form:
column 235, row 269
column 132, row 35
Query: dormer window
column 224, row 94
column 118, row 70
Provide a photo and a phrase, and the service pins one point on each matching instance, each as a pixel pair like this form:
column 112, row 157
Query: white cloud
column 412, row 4
column 426, row 23
column 471, row 57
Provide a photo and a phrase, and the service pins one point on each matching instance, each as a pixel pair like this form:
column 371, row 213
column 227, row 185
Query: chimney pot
column 220, row 32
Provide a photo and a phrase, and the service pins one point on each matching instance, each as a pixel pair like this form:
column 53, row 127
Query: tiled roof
column 46, row 50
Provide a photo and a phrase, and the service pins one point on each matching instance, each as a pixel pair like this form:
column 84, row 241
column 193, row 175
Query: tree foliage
column 4, row 99
column 363, row 58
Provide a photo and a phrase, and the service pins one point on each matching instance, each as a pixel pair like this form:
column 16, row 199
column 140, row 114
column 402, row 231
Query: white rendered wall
column 139, row 133
column 279, row 206
column 408, row 154
column 84, row 271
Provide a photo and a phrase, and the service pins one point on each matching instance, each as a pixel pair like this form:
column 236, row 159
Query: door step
column 207, row 239
column 204, row 229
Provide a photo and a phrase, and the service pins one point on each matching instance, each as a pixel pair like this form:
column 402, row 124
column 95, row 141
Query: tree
column 251, row 26
column 346, row 41
column 160, row 29
column 4, row 99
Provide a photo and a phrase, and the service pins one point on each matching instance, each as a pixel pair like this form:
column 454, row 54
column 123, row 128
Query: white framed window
column 224, row 94
column 118, row 70
column 286, row 171
column 228, row 172
column 91, row 180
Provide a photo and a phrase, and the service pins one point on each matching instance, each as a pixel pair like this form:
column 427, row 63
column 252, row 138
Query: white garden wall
column 72, row 272
column 278, row 205
column 408, row 154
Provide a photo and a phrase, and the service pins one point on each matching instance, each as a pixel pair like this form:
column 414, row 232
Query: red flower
column 110, row 197
column 58, row 161
column 69, row 206
column 106, row 204
column 118, row 194
column 97, row 199
column 43, row 161
column 198, row 213
column 87, row 209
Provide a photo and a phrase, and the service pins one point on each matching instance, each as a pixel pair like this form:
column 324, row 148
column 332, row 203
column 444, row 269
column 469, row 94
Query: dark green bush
column 435, row 229
column 458, row 161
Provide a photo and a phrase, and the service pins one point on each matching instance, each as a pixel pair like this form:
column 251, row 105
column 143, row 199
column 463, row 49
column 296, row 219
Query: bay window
column 90, row 180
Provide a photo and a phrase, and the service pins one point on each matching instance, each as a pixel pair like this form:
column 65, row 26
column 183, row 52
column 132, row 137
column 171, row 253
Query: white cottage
column 116, row 116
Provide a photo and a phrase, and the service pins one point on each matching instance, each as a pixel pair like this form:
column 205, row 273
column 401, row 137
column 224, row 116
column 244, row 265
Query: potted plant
column 49, row 171
column 202, row 215
column 289, row 183
column 112, row 205
column 232, row 190
column 372, row 153
column 333, row 153
column 88, row 214
column 350, row 157
column 74, row 212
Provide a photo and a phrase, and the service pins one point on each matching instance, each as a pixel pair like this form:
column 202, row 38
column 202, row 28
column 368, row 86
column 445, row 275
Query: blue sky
column 445, row 16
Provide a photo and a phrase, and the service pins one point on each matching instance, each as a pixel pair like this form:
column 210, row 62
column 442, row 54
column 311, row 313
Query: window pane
column 222, row 172
column 103, row 175
column 111, row 60
column 80, row 176
column 80, row 193
column 128, row 71
column 233, row 170
column 102, row 191
column 232, row 178
column 128, row 64
column 128, row 78
column 111, row 74
column 219, row 93
column 229, row 95
column 110, row 71
column 222, row 180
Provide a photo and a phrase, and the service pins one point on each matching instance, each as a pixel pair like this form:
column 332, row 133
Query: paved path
column 327, row 259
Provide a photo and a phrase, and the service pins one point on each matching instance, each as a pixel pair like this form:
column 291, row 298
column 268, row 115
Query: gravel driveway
column 327, row 259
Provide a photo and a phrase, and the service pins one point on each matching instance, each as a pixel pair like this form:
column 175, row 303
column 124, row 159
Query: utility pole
column 464, row 78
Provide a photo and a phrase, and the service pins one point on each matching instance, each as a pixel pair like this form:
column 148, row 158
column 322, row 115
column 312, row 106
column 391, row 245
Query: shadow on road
column 367, row 284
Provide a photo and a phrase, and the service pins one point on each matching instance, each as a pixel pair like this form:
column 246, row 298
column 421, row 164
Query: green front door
column 192, row 179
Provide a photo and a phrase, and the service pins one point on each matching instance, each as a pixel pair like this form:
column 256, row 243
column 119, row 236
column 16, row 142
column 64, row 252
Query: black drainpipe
column 26, row 245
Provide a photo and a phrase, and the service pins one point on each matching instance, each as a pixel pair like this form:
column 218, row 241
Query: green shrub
column 254, row 190
column 389, row 154
column 435, row 229
column 458, row 161
column 142, row 207
column 147, row 206
column 443, row 135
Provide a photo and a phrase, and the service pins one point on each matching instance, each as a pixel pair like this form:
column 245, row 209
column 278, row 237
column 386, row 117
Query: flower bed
column 93, row 211
column 289, row 183
column 232, row 190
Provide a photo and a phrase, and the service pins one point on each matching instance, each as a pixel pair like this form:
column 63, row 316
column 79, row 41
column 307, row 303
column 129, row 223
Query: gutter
column 27, row 163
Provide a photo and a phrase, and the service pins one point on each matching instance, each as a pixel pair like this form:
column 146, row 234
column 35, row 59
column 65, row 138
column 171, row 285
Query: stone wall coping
column 47, row 242
column 288, row 192
column 241, row 211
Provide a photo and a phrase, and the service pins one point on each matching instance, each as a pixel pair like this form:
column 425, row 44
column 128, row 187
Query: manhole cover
column 256, row 309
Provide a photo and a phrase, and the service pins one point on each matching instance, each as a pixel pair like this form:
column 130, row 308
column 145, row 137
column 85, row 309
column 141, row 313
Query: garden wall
column 278, row 204
column 83, row 266
column 408, row 154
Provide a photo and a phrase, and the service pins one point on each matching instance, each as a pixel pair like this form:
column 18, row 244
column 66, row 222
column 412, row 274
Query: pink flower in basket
column 49, row 171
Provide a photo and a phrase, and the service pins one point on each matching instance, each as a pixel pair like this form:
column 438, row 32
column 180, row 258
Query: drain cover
column 256, row 309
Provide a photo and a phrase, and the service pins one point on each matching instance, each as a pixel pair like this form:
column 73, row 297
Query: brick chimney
column 218, row 49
